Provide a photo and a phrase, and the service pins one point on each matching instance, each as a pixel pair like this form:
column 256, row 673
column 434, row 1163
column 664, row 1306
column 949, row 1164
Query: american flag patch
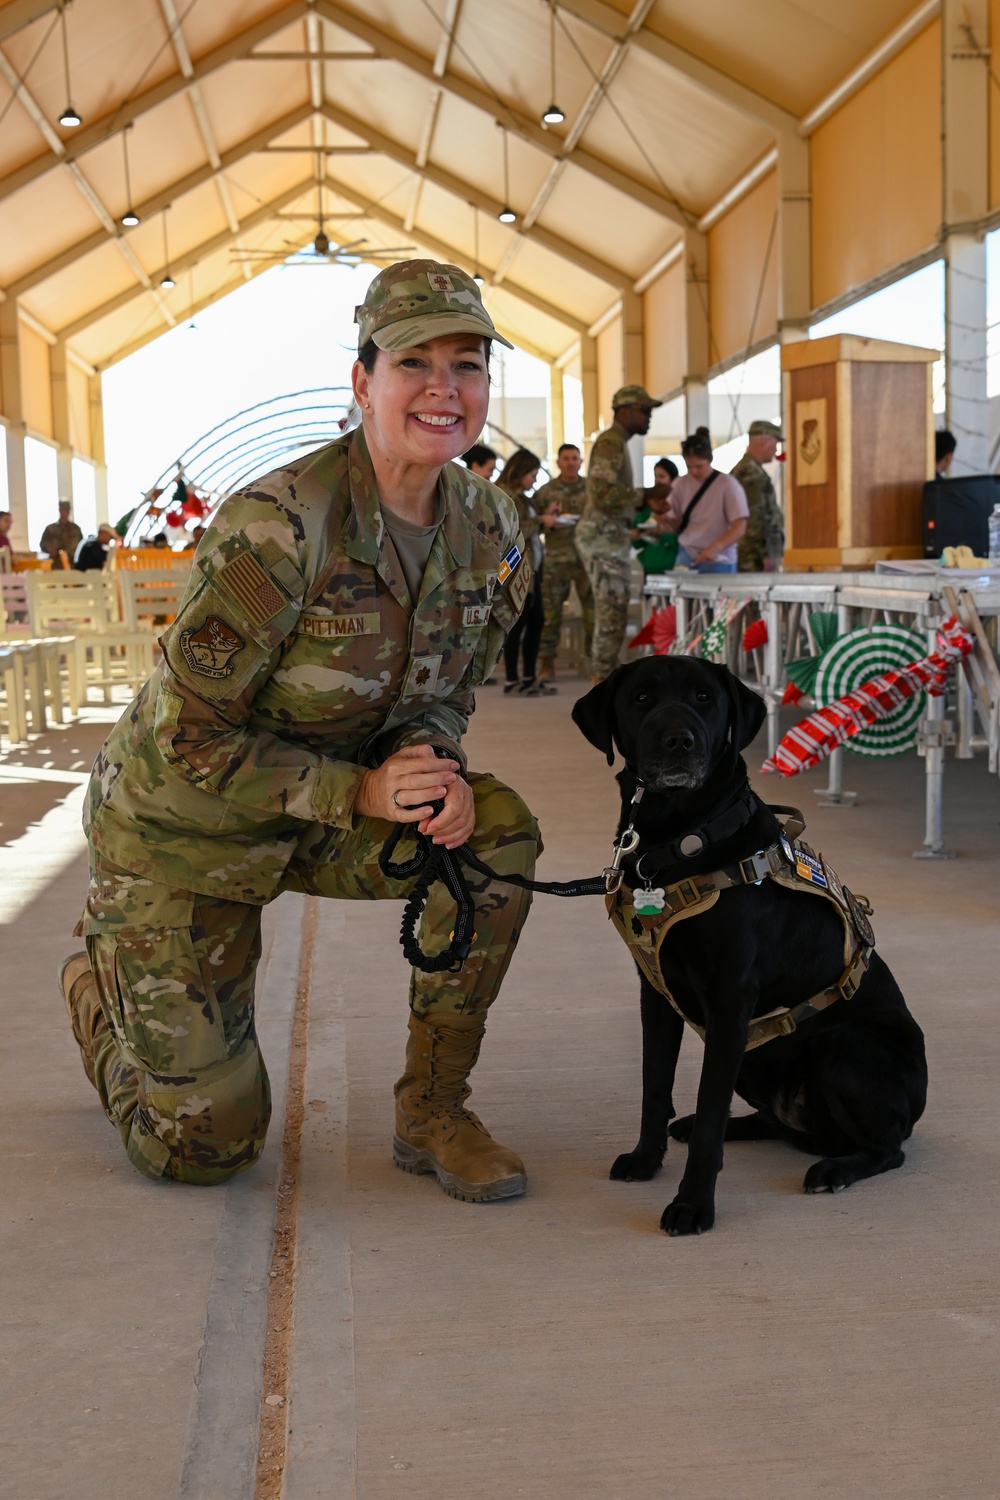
column 249, row 583
column 510, row 562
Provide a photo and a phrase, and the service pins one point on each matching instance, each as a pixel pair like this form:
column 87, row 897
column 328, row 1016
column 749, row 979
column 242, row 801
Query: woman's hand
column 402, row 788
column 551, row 514
column 455, row 822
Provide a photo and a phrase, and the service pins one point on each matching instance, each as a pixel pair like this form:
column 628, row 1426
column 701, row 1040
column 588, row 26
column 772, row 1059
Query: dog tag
column 691, row 844
column 648, row 901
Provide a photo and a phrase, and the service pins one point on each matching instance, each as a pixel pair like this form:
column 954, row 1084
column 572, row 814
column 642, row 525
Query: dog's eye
column 702, row 697
column 642, row 697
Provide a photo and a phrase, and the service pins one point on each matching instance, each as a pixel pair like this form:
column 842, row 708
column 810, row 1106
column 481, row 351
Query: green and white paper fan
column 857, row 658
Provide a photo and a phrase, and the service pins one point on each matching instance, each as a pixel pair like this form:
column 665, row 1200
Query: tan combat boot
column 434, row 1134
column 85, row 1014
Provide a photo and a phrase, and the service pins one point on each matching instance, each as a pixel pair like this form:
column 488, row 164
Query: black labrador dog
column 850, row 1083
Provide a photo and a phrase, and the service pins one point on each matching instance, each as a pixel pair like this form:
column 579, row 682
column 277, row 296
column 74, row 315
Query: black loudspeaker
column 956, row 513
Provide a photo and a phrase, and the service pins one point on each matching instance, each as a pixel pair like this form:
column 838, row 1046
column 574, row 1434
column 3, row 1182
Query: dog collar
column 723, row 826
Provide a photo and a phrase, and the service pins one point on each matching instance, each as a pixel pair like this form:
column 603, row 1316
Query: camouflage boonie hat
column 633, row 395
column 761, row 428
column 417, row 300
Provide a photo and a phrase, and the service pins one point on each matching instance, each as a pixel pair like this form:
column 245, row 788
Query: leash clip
column 613, row 875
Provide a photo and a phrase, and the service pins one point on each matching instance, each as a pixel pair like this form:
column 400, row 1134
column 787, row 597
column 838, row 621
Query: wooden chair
column 15, row 617
column 150, row 598
column 78, row 601
column 107, row 653
column 12, row 704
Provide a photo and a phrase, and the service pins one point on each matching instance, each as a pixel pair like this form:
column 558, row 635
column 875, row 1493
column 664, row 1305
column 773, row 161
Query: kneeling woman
column 341, row 613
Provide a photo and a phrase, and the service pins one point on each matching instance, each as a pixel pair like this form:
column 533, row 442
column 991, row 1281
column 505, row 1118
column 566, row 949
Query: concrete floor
column 555, row 1346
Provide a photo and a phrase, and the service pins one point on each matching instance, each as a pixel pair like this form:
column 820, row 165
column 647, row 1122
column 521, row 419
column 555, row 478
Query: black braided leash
column 434, row 862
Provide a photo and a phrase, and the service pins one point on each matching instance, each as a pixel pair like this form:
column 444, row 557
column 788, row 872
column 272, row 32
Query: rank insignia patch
column 422, row 676
column 509, row 563
column 209, row 651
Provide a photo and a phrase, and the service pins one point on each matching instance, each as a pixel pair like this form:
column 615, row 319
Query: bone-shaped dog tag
column 648, row 901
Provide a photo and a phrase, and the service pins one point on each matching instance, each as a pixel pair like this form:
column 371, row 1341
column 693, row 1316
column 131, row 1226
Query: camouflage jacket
column 296, row 660
column 612, row 497
column 59, row 536
column 559, row 544
column 765, row 533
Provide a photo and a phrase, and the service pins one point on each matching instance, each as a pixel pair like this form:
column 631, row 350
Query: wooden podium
column 859, row 432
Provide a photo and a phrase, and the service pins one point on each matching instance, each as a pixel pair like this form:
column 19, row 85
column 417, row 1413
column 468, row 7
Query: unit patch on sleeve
column 209, row 651
column 248, row 582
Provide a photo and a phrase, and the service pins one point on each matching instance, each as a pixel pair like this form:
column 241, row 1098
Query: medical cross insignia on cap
column 439, row 282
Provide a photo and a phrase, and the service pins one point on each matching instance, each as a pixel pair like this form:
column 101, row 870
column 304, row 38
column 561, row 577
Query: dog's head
column 675, row 719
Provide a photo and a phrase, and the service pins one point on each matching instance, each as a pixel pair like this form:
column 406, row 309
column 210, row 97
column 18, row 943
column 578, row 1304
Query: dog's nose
column 682, row 740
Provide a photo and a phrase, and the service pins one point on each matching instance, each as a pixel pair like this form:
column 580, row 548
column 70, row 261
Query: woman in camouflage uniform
column 341, row 613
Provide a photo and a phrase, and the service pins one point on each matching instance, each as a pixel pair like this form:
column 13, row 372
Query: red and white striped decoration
column 813, row 739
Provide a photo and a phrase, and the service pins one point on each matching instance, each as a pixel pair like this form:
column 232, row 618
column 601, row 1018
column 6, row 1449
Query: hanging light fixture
column 167, row 282
column 477, row 275
column 69, row 116
column 129, row 218
column 506, row 214
column 553, row 115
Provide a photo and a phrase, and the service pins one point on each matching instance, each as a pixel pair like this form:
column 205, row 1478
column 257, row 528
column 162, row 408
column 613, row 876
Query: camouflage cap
column 766, row 429
column 633, row 395
column 417, row 300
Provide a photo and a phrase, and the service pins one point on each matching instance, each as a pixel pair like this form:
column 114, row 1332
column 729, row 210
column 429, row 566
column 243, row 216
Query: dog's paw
column 681, row 1128
column 680, row 1217
column 832, row 1175
column 636, row 1166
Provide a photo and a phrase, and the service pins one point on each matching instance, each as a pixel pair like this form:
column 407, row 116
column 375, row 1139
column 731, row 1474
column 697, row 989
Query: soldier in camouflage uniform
column 763, row 543
column 62, row 536
column 564, row 567
column 602, row 537
column 316, row 658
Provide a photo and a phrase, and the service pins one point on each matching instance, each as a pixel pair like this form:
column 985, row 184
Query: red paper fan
column 755, row 635
column 659, row 631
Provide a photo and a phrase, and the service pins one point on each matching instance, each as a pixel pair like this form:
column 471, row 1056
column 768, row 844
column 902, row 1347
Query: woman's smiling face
column 428, row 404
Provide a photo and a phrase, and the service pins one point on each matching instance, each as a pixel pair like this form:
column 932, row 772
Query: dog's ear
column 594, row 715
column 748, row 711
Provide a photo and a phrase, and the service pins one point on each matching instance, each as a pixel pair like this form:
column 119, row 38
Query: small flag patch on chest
column 509, row 563
column 249, row 583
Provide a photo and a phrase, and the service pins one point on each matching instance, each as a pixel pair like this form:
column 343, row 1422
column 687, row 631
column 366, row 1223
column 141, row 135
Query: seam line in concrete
column 219, row 1461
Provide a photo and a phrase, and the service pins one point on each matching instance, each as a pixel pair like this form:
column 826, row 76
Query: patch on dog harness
column 809, row 868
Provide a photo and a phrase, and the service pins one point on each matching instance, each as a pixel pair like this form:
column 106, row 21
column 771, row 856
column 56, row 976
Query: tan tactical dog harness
column 644, row 917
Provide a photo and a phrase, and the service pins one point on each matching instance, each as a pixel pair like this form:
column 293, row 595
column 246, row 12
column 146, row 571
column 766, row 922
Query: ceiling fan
column 321, row 252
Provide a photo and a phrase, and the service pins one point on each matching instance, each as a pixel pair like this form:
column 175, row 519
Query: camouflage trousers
column 559, row 576
column 609, row 568
column 176, row 1061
